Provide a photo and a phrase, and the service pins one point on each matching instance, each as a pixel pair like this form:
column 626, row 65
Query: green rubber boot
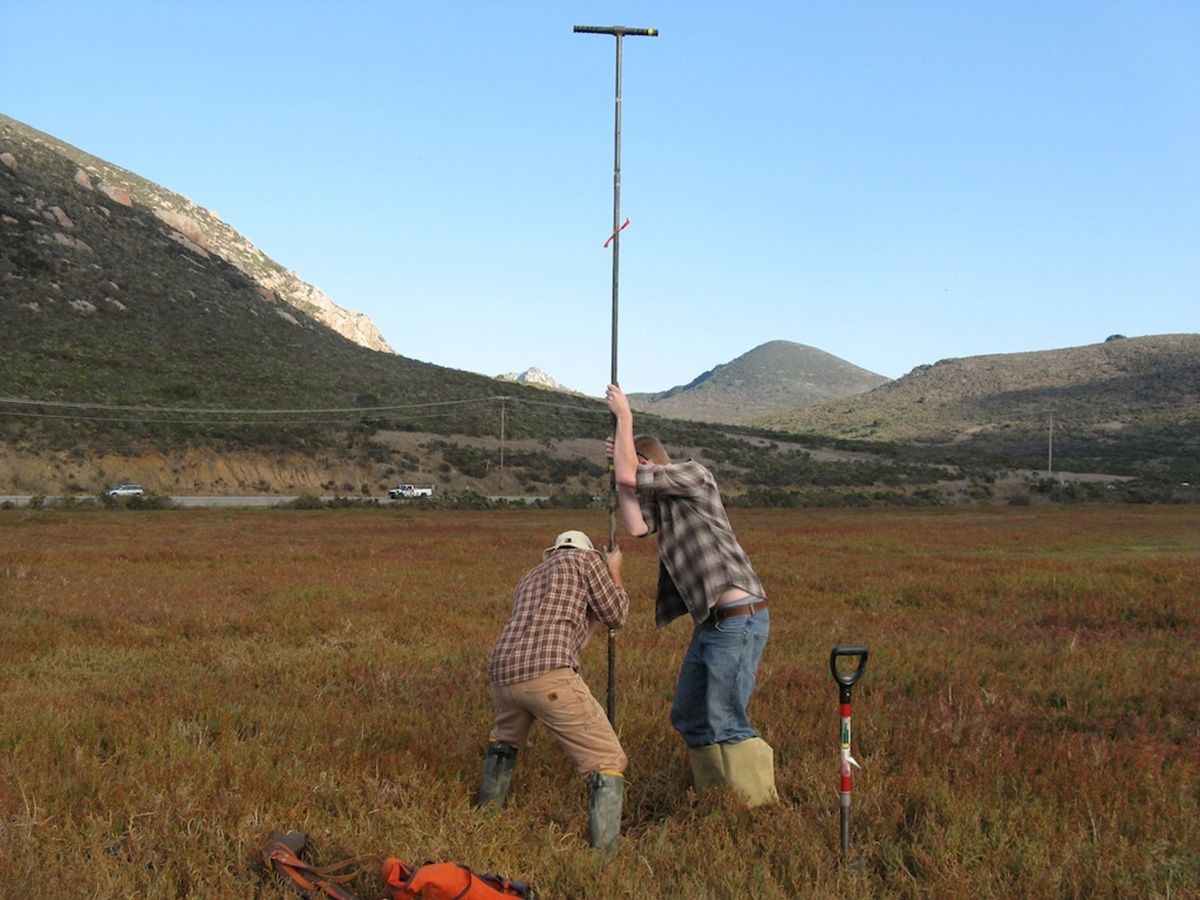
column 606, row 796
column 499, row 761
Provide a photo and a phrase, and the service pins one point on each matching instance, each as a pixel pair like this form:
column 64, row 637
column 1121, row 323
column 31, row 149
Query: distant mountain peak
column 533, row 376
column 775, row 376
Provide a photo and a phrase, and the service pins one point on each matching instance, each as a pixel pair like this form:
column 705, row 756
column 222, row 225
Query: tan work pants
column 561, row 701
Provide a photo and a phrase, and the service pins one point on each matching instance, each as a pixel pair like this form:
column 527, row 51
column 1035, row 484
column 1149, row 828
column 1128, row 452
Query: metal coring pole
column 619, row 32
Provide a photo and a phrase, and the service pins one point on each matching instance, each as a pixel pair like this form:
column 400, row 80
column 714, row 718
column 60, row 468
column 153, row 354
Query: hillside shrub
column 306, row 501
column 470, row 461
column 469, row 498
column 825, row 497
column 544, row 467
column 563, row 499
column 338, row 501
column 759, row 466
column 149, row 501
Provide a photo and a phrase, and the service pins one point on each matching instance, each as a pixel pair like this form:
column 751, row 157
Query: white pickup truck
column 409, row 491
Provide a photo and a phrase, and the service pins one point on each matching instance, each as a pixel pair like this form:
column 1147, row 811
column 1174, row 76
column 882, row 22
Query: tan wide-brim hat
column 576, row 539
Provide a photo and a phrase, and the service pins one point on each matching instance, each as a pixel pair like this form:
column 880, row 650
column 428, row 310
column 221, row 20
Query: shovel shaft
column 846, row 784
column 844, row 801
column 846, row 781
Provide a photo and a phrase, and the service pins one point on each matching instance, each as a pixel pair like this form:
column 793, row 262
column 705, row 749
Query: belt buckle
column 720, row 615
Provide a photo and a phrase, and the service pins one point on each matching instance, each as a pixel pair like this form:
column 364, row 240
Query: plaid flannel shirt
column 699, row 556
column 554, row 605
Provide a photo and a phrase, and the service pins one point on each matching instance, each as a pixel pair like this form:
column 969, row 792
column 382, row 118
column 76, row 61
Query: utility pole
column 503, row 401
column 619, row 32
column 1050, row 450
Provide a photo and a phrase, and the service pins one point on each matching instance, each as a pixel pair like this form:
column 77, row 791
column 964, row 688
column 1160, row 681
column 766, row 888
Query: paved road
column 259, row 501
column 234, row 501
column 23, row 500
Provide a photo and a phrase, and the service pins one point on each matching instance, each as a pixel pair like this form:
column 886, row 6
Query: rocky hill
column 773, row 377
column 198, row 230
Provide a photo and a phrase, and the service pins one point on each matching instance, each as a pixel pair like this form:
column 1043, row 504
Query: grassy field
column 174, row 684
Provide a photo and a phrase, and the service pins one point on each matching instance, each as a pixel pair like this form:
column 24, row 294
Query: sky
column 894, row 183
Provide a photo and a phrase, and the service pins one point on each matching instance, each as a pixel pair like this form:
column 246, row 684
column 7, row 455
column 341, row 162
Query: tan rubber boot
column 708, row 767
column 750, row 770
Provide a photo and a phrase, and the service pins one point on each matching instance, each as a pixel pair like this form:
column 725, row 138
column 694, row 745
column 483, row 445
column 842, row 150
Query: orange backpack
column 431, row 881
column 448, row 881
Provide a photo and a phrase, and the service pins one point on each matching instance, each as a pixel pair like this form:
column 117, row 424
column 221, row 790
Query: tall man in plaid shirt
column 703, row 572
column 534, row 671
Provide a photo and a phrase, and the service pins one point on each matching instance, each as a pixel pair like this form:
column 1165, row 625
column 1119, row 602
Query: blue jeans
column 717, row 678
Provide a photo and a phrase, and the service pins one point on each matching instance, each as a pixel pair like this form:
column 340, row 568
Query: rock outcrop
column 312, row 301
column 535, row 377
column 115, row 194
column 185, row 225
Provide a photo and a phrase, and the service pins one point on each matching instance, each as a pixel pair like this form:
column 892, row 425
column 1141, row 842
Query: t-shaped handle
column 616, row 30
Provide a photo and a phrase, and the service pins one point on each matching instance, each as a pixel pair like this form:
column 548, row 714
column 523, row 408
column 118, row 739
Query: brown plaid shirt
column 699, row 556
column 554, row 604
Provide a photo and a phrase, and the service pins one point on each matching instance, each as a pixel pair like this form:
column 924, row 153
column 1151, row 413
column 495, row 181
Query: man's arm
column 631, row 511
column 632, row 516
column 610, row 602
column 624, row 453
column 624, row 457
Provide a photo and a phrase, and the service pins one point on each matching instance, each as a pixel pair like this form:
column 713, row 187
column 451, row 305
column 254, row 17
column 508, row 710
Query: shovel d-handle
column 847, row 679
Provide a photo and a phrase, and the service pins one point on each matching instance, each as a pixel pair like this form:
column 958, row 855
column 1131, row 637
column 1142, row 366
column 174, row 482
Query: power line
column 583, row 409
column 21, row 401
column 206, row 422
column 217, row 410
column 210, row 416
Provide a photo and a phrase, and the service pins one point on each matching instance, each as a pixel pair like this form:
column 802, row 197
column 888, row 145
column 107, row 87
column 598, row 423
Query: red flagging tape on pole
column 624, row 225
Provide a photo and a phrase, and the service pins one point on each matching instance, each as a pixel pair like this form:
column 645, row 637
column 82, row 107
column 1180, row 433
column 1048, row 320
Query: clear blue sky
column 892, row 182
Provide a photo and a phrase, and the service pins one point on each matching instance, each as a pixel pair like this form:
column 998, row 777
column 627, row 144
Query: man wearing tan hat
column 534, row 672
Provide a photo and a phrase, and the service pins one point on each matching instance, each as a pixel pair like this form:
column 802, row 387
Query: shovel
column 846, row 679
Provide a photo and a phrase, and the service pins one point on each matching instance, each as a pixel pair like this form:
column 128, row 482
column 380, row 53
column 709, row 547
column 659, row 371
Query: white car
column 409, row 491
column 126, row 490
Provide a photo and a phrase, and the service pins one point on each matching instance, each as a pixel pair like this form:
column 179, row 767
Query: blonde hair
column 651, row 447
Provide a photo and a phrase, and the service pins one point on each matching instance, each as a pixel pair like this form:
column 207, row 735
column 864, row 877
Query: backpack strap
column 509, row 886
column 281, row 853
column 470, row 878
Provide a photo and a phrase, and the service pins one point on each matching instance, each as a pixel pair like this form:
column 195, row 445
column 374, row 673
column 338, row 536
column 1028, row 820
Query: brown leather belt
column 742, row 609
